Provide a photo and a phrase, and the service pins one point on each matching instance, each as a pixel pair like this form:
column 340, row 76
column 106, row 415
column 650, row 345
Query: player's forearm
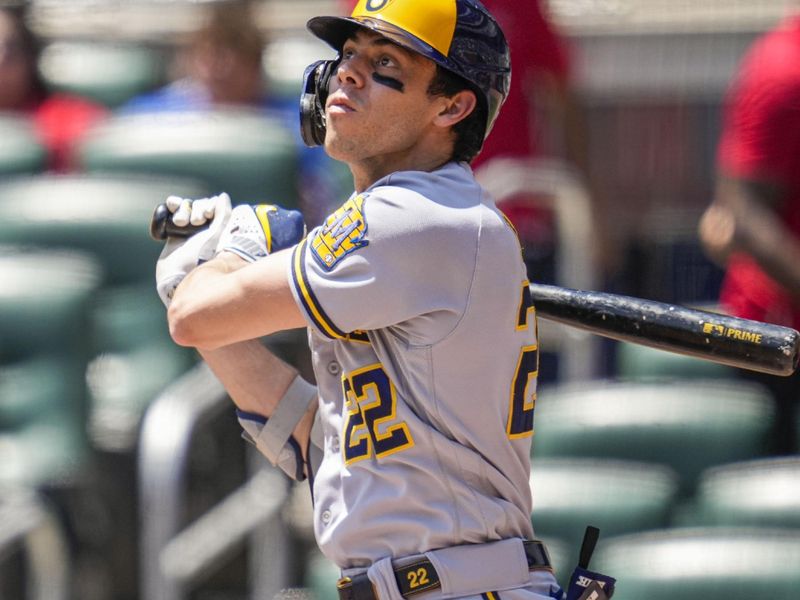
column 759, row 231
column 776, row 250
column 744, row 218
column 229, row 300
column 256, row 380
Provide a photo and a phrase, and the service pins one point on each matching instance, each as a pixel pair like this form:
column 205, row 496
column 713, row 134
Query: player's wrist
column 229, row 260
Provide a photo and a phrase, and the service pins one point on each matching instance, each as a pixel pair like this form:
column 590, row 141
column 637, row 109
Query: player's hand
column 717, row 231
column 255, row 231
column 182, row 254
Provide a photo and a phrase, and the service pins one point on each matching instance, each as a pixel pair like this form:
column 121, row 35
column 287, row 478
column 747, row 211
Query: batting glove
column 182, row 254
column 255, row 231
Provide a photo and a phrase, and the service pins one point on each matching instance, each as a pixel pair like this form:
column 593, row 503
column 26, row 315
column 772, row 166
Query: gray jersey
column 424, row 348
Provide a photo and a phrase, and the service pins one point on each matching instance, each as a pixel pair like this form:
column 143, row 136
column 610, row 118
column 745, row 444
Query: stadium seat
column 615, row 496
column 321, row 576
column 44, row 318
column 108, row 216
column 43, row 301
column 20, row 152
column 247, row 154
column 107, row 73
column 687, row 425
column 641, row 362
column 285, row 60
column 131, row 355
column 703, row 564
column 757, row 493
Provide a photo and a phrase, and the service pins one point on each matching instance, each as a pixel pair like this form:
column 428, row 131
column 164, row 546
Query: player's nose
column 351, row 71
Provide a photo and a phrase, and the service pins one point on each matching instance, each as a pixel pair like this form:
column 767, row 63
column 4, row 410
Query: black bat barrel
column 719, row 338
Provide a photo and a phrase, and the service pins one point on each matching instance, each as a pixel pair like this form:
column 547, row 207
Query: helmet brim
column 337, row 30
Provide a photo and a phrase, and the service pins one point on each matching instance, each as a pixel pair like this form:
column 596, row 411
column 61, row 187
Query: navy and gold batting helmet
column 459, row 35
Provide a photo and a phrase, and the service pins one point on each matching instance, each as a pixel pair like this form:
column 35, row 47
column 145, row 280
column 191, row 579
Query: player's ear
column 456, row 108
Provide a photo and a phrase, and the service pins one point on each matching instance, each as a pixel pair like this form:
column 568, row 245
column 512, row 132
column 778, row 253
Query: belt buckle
column 344, row 588
column 358, row 587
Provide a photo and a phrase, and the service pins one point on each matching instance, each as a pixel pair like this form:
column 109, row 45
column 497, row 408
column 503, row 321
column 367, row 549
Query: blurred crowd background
column 122, row 473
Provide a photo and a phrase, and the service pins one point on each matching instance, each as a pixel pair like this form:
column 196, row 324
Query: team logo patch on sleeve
column 342, row 233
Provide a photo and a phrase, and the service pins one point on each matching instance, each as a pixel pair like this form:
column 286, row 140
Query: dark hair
column 469, row 132
column 230, row 24
column 31, row 47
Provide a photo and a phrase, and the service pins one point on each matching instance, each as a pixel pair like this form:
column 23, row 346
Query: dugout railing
column 29, row 525
column 175, row 556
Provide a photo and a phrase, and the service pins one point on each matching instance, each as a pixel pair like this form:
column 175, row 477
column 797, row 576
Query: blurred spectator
column 60, row 119
column 220, row 67
column 752, row 227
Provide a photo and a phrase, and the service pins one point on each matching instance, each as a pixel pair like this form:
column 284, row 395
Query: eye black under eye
column 390, row 82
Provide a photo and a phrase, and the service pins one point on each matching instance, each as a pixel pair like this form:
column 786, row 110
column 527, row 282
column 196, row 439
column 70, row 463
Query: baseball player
column 416, row 438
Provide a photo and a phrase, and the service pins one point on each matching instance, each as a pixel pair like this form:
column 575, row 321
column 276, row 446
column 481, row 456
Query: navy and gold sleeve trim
column 309, row 301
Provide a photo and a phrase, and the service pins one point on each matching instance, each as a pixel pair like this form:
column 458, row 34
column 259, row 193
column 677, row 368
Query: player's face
column 378, row 108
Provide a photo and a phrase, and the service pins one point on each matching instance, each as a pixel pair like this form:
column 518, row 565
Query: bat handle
column 162, row 227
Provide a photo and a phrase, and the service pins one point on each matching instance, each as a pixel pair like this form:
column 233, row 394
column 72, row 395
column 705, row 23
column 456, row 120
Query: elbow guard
column 273, row 436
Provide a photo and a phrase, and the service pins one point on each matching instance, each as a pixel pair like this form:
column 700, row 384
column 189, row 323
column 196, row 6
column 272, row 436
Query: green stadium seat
column 616, row 496
column 285, row 60
column 107, row 73
column 687, row 425
column 247, row 154
column 108, row 216
column 757, row 493
column 20, row 152
column 703, row 564
column 128, row 338
column 637, row 362
column 31, row 387
column 321, row 576
column 45, row 303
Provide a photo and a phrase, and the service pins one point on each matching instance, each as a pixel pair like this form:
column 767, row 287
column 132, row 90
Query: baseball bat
column 162, row 227
column 742, row 343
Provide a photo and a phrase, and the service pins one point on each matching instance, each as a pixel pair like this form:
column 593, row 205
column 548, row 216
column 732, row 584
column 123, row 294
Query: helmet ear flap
column 316, row 79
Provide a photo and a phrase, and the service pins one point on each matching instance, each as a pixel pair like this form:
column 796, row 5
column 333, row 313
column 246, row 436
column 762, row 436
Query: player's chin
column 339, row 146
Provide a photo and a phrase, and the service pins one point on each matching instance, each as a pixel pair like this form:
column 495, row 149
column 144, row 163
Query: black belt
column 421, row 576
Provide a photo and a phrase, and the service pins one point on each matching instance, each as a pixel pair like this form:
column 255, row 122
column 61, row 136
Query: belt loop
column 381, row 574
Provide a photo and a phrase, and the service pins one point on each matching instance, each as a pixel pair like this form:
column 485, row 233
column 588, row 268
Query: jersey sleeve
column 372, row 264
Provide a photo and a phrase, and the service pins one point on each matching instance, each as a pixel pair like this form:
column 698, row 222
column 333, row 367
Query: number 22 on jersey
column 371, row 426
column 523, row 386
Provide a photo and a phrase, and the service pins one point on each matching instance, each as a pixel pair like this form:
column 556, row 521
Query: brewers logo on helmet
column 459, row 35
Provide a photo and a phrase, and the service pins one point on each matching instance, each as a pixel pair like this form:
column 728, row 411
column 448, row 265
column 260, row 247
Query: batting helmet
column 459, row 35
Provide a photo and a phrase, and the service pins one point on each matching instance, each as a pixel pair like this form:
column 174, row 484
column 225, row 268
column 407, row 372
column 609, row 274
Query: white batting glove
column 255, row 231
column 180, row 255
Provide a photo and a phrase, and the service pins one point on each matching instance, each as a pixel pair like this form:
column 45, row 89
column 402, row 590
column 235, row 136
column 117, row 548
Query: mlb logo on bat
column 713, row 328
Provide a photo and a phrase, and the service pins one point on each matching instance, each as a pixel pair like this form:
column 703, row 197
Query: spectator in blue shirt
column 222, row 67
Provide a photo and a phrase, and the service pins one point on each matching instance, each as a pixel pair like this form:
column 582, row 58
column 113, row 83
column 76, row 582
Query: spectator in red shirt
column 753, row 224
column 59, row 119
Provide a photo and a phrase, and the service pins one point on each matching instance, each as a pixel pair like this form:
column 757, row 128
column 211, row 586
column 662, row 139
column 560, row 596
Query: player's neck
column 369, row 170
